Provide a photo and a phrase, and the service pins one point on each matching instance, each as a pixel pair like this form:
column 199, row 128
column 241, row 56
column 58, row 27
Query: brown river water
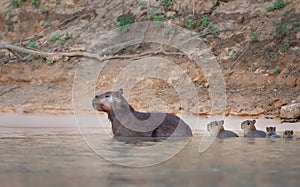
column 50, row 150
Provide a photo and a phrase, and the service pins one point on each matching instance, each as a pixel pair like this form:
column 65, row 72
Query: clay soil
column 260, row 75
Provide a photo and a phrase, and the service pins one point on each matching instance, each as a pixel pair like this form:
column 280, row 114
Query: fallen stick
column 98, row 56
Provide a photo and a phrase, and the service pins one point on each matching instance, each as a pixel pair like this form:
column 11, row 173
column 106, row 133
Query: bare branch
column 97, row 56
column 48, row 54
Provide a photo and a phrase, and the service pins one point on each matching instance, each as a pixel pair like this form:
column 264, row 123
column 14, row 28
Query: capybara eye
column 106, row 96
column 292, row 132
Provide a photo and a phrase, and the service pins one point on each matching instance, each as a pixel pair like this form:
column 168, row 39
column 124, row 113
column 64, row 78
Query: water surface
column 57, row 155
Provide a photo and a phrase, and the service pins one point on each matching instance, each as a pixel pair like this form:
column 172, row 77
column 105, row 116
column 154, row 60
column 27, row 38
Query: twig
column 47, row 54
column 247, row 48
column 14, row 53
column 9, row 90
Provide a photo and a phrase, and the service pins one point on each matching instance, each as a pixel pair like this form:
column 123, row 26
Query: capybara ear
column 222, row 121
column 120, row 91
column 254, row 121
column 208, row 127
column 242, row 126
column 292, row 132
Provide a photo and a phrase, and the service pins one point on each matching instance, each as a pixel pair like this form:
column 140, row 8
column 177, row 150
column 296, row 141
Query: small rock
column 291, row 111
column 206, row 85
column 170, row 13
column 66, row 59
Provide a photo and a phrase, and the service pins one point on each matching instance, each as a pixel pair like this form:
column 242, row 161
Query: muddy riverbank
column 258, row 62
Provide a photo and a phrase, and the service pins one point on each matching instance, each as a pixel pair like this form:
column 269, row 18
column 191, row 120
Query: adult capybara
column 216, row 129
column 127, row 122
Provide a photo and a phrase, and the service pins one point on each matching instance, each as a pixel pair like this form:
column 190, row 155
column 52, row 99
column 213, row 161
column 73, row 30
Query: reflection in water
column 64, row 159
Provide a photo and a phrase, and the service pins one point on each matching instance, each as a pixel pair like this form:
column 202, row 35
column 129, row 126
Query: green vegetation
column 45, row 10
column 50, row 63
column 286, row 46
column 274, row 57
column 297, row 25
column 124, row 23
column 284, row 34
column 277, row 70
column 67, row 37
column 233, row 56
column 172, row 17
column 285, row 13
column 143, row 4
column 214, row 8
column 277, row 5
column 32, row 45
column 36, row 2
column 61, row 41
column 281, row 30
column 208, row 26
column 297, row 52
column 158, row 17
column 16, row 4
column 9, row 23
column 10, row 15
column 168, row 3
column 204, row 23
column 190, row 24
column 254, row 37
column 55, row 38
column 212, row 29
column 32, row 57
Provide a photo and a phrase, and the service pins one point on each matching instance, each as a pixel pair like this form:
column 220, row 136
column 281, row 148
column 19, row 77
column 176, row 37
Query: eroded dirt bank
column 257, row 50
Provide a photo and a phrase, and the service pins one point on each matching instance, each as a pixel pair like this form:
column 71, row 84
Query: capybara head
column 248, row 125
column 288, row 133
column 215, row 127
column 108, row 101
column 271, row 130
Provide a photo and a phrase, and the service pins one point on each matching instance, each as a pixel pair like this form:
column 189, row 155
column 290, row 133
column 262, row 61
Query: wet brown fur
column 127, row 122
